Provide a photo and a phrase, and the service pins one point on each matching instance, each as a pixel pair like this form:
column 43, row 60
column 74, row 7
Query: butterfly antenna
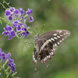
column 41, row 28
column 33, row 31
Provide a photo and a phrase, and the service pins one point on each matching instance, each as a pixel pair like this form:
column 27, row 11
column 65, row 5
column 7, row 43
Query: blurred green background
column 55, row 14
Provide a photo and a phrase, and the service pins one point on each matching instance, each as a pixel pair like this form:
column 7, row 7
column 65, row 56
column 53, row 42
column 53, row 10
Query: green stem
column 3, row 5
column 25, row 16
column 7, row 74
column 14, row 74
column 6, row 3
column 5, row 63
column 0, row 67
column 20, row 33
column 0, row 20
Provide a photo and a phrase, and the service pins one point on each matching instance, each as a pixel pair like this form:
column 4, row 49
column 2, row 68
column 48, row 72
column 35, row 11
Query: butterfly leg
column 47, row 64
column 35, row 59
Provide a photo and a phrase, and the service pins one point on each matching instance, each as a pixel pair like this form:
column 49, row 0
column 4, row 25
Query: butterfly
column 46, row 45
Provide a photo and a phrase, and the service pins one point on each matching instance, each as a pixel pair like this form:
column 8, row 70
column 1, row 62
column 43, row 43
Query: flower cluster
column 6, row 57
column 17, row 22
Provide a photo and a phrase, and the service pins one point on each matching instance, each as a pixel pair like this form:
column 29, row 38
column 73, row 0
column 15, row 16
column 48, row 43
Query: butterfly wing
column 50, row 41
column 54, row 33
column 39, row 43
column 35, row 56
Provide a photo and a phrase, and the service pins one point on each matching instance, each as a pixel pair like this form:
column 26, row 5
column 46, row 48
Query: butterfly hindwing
column 35, row 56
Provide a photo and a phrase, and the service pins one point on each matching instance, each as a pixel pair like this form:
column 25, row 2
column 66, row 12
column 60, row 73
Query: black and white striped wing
column 50, row 41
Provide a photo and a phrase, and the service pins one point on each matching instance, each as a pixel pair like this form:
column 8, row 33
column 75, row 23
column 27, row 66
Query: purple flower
column 10, row 18
column 15, row 23
column 9, row 32
column 11, row 60
column 12, row 9
column 8, row 56
column 4, row 57
column 29, row 11
column 26, row 26
column 12, row 66
column 7, row 13
column 21, row 11
column 16, row 11
column 31, row 19
column 19, row 28
column 25, row 32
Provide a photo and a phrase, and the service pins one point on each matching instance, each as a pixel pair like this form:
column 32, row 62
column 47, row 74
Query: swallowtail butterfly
column 46, row 45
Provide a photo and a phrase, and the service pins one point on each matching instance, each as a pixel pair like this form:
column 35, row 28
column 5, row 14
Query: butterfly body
column 46, row 45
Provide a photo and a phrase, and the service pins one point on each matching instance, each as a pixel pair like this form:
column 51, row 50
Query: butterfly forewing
column 48, row 42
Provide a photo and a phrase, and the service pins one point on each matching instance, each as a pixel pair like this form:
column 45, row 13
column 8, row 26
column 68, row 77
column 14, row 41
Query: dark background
column 55, row 14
